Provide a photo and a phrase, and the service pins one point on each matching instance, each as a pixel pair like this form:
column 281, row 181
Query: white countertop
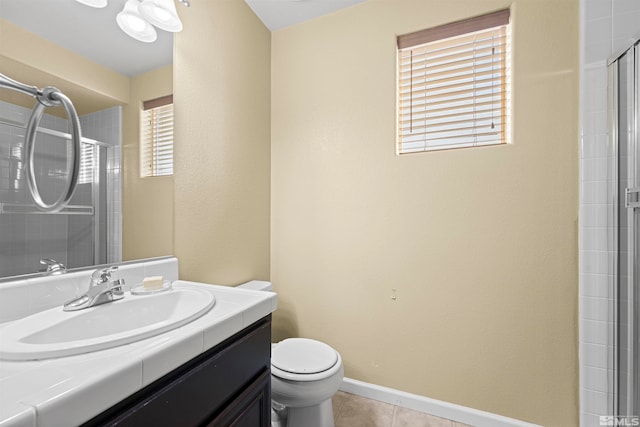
column 68, row 391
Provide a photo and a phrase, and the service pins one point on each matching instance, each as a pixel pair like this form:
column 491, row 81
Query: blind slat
column 443, row 83
column 495, row 36
column 457, row 127
column 459, row 115
column 417, row 125
column 460, row 95
column 460, row 130
column 470, row 70
column 419, row 130
column 448, row 138
column 419, row 56
column 454, row 109
column 442, row 89
column 462, row 114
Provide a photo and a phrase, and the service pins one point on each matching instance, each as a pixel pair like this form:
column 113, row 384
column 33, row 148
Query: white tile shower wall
column 25, row 239
column 28, row 238
column 595, row 276
column 607, row 26
column 114, row 188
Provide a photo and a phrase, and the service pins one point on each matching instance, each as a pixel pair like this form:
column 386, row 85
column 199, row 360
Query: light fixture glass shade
column 93, row 3
column 162, row 14
column 130, row 21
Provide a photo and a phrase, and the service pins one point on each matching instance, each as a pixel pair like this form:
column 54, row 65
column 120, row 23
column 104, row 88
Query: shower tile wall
column 595, row 252
column 607, row 25
column 114, row 192
column 25, row 239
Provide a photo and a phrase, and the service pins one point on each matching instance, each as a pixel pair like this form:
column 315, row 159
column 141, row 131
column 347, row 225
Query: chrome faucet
column 101, row 290
column 53, row 266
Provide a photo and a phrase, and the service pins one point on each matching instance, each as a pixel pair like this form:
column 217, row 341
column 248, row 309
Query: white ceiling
column 90, row 32
column 277, row 14
column 93, row 33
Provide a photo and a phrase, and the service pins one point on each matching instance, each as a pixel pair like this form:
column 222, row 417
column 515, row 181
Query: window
column 156, row 137
column 453, row 85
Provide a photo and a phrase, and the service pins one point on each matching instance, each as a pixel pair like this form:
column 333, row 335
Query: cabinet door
column 251, row 409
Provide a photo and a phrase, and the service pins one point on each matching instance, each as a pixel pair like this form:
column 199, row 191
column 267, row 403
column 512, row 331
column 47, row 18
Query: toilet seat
column 303, row 359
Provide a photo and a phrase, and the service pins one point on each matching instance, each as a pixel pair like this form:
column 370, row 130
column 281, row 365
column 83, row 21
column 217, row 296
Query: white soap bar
column 153, row 282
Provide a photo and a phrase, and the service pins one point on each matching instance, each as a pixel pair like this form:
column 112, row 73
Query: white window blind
column 156, row 137
column 454, row 84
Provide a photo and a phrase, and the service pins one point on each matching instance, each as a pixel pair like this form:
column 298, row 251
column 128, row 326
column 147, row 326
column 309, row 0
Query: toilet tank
column 256, row 285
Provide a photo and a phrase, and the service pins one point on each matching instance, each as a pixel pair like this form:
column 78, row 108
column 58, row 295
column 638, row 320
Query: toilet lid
column 303, row 356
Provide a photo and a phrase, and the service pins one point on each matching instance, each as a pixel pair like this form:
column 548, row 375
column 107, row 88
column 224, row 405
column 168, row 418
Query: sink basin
column 57, row 333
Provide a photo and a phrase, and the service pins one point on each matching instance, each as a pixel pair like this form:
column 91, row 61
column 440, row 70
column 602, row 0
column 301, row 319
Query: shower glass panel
column 77, row 236
column 624, row 79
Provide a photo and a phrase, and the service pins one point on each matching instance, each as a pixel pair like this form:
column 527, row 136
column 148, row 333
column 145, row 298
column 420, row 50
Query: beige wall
column 222, row 112
column 479, row 244
column 33, row 60
column 147, row 203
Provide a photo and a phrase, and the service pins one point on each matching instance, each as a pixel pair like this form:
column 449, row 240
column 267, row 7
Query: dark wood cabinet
column 252, row 408
column 228, row 385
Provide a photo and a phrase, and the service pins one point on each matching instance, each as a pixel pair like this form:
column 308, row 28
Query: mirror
column 106, row 74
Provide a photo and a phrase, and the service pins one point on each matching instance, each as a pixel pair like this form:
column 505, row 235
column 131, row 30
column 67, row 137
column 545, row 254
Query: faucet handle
column 53, row 266
column 102, row 275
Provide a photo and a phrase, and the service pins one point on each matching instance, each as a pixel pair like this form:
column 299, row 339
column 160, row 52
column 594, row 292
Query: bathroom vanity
column 214, row 370
column 227, row 385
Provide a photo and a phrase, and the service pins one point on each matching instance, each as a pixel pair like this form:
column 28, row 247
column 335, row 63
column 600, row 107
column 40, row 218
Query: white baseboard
column 426, row 405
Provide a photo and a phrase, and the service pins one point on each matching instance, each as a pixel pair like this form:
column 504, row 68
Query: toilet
column 305, row 374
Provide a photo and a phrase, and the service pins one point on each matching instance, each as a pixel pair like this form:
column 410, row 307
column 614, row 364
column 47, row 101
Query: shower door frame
column 626, row 367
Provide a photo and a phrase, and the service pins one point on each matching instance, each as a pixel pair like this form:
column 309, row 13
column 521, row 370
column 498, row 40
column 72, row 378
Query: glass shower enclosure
column 624, row 114
column 85, row 232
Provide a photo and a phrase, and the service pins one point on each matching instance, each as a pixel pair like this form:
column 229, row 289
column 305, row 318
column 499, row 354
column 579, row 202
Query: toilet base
column 320, row 415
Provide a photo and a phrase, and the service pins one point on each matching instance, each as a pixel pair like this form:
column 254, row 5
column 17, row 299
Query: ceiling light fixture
column 131, row 22
column 162, row 14
column 94, row 3
column 138, row 17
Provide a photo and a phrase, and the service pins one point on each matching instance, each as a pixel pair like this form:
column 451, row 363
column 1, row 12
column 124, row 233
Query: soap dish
column 140, row 290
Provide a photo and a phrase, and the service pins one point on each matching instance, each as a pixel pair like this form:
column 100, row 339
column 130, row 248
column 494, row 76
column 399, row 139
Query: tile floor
column 350, row 410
